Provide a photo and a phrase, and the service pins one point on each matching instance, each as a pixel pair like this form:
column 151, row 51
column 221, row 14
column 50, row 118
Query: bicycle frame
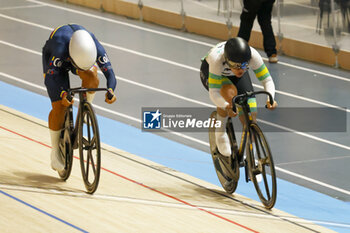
column 82, row 100
column 74, row 127
column 245, row 133
column 246, row 128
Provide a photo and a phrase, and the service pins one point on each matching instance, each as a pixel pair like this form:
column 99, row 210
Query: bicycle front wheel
column 66, row 150
column 228, row 175
column 89, row 148
column 261, row 167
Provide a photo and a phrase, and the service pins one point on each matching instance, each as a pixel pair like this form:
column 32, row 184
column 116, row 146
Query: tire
column 260, row 162
column 89, row 148
column 66, row 150
column 228, row 176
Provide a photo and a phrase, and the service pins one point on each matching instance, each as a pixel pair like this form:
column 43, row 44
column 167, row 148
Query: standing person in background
column 262, row 9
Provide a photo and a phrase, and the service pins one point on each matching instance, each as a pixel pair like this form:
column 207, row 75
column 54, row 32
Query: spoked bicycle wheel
column 66, row 149
column 89, row 149
column 228, row 175
column 262, row 168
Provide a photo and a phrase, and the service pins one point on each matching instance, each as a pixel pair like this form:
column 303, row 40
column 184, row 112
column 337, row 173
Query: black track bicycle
column 258, row 162
column 83, row 135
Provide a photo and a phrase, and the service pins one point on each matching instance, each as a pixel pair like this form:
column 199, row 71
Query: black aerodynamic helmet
column 237, row 50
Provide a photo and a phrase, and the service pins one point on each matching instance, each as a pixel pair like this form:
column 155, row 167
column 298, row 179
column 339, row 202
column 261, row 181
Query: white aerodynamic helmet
column 82, row 49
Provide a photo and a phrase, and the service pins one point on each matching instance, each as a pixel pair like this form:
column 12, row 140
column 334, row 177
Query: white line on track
column 20, row 47
column 179, row 37
column 21, row 7
column 165, row 204
column 330, row 157
column 312, row 180
column 150, row 56
column 25, row 22
column 122, row 23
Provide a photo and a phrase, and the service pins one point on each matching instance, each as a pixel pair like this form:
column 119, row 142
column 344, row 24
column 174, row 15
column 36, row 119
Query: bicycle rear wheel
column 66, row 150
column 261, row 164
column 89, row 148
column 227, row 175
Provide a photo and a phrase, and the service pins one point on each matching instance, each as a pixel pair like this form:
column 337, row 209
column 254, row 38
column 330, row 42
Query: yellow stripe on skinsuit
column 54, row 31
column 214, row 81
column 262, row 73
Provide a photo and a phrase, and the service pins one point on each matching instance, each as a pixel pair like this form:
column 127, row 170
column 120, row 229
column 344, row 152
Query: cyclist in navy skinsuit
column 71, row 48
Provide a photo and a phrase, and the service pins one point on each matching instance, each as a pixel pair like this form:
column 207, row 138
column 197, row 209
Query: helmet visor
column 235, row 65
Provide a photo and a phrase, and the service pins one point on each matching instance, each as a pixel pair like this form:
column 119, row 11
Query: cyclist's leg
column 89, row 79
column 56, row 117
column 227, row 91
column 243, row 85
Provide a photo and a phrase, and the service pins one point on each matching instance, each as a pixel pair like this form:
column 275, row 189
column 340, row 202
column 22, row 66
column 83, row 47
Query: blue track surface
column 292, row 198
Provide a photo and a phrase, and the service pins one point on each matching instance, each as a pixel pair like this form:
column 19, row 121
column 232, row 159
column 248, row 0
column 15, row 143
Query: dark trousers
column 262, row 9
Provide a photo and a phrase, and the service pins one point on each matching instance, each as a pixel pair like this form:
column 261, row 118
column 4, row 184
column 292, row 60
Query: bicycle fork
column 242, row 161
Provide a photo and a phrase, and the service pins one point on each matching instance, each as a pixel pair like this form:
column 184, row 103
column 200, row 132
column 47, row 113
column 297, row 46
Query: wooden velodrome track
column 134, row 195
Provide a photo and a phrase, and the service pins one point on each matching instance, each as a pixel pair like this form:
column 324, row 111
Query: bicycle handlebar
column 72, row 91
column 240, row 99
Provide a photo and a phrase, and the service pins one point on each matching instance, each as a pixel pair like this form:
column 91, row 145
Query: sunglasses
column 235, row 65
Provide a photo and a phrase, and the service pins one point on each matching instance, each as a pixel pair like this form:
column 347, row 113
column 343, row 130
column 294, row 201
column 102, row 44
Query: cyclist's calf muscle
column 227, row 91
column 89, row 78
column 56, row 116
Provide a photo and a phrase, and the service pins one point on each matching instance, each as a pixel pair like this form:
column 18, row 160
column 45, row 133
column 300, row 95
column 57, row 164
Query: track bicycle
column 83, row 135
column 258, row 162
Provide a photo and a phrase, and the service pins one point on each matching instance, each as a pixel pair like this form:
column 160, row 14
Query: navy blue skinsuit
column 56, row 62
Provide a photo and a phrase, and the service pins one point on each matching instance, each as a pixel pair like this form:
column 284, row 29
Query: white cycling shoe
column 57, row 162
column 223, row 143
column 221, row 137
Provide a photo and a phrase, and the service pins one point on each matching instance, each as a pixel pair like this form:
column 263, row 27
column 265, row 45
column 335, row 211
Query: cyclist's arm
column 261, row 72
column 105, row 65
column 215, row 60
column 55, row 69
column 73, row 69
column 215, row 83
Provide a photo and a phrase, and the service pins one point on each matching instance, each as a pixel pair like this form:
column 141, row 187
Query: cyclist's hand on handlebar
column 230, row 111
column 269, row 106
column 65, row 101
column 110, row 97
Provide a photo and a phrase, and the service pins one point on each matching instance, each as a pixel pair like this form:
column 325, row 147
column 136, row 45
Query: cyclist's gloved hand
column 110, row 97
column 65, row 100
column 269, row 106
column 230, row 111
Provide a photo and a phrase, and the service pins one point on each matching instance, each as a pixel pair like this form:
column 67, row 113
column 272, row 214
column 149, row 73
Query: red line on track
column 143, row 185
column 21, row 135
